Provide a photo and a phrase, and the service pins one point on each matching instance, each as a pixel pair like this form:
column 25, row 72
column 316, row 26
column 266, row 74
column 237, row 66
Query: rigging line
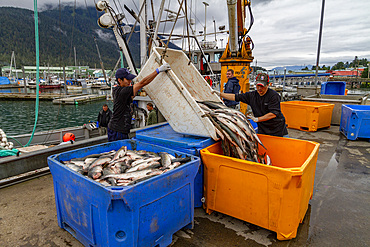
column 60, row 27
column 151, row 4
column 133, row 28
column 173, row 27
column 142, row 19
column 122, row 11
column 121, row 33
column 115, row 4
column 135, row 5
column 251, row 22
column 37, row 70
column 88, row 12
column 187, row 21
column 187, row 27
column 47, row 136
column 196, row 17
column 120, row 5
column 73, row 27
column 168, row 7
column 97, row 13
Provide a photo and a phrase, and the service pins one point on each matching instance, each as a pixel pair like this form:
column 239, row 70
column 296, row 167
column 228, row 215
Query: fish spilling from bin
column 125, row 167
column 239, row 140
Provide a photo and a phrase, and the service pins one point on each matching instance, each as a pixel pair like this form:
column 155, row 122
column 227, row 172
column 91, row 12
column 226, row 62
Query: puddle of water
column 332, row 166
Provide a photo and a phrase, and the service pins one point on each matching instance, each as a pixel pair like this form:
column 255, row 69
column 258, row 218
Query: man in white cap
column 120, row 124
column 265, row 104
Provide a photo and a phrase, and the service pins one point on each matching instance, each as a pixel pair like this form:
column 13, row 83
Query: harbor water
column 18, row 117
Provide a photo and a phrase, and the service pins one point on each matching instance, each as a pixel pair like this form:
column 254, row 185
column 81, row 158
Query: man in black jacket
column 103, row 119
column 120, row 124
column 265, row 104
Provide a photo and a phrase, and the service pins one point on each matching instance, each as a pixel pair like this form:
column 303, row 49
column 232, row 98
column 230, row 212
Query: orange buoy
column 69, row 136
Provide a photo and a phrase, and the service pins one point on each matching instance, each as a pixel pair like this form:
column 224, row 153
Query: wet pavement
column 338, row 214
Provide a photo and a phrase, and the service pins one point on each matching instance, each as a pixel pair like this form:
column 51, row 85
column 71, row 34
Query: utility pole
column 319, row 43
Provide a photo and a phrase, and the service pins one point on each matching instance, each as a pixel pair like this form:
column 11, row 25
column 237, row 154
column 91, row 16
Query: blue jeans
column 115, row 135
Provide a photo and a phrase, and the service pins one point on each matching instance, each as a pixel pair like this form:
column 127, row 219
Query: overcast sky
column 285, row 32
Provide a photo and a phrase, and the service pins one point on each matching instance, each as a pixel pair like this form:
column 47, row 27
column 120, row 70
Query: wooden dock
column 9, row 86
column 56, row 98
column 27, row 96
column 75, row 100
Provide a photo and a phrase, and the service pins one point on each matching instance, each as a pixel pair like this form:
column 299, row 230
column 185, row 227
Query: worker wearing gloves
column 265, row 104
column 120, row 124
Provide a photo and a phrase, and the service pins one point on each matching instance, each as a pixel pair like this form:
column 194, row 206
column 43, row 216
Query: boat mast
column 143, row 31
column 74, row 48
column 101, row 61
column 11, row 66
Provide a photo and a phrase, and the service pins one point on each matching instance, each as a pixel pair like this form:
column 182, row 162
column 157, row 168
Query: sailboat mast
column 143, row 31
column 74, row 48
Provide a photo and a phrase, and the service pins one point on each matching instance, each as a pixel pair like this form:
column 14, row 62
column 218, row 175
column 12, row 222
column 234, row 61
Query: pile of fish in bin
column 125, row 167
column 238, row 137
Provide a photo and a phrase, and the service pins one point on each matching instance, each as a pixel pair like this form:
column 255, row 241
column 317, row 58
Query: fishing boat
column 44, row 144
column 77, row 85
column 51, row 83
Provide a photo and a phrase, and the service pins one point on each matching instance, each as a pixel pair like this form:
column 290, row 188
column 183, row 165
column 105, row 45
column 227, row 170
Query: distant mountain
column 60, row 31
column 293, row 68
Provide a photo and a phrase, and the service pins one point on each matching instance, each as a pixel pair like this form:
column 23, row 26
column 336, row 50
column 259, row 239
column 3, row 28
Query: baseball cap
column 262, row 79
column 124, row 73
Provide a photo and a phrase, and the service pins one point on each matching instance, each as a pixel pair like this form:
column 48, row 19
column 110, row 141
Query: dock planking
column 80, row 99
column 27, row 96
column 55, row 98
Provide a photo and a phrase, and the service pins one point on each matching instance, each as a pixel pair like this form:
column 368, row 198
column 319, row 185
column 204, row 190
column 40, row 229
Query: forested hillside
column 60, row 30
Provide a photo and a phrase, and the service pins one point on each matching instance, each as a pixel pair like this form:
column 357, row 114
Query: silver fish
column 165, row 159
column 107, row 171
column 95, row 172
column 124, row 182
column 232, row 111
column 268, row 161
column 74, row 167
column 138, row 162
column 145, row 165
column 78, row 162
column 174, row 165
column 233, row 127
column 100, row 161
column 130, row 175
column 120, row 153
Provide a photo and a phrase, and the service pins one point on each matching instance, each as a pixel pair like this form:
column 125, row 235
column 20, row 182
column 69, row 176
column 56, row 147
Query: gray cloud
column 58, row 29
column 285, row 32
column 109, row 37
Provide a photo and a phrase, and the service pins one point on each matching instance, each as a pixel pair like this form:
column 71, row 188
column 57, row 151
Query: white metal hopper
column 175, row 93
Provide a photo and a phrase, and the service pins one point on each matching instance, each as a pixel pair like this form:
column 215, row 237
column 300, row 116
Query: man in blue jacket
column 231, row 86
